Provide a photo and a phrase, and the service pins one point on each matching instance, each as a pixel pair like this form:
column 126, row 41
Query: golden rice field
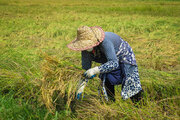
column 39, row 74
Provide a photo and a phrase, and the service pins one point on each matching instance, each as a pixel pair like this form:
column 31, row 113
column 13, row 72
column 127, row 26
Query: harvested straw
column 58, row 85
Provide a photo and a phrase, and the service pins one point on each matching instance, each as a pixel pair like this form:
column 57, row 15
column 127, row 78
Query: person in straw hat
column 118, row 63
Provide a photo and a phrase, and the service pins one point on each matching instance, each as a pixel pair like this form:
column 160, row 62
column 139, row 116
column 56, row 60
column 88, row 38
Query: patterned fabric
column 126, row 54
column 131, row 83
column 108, row 66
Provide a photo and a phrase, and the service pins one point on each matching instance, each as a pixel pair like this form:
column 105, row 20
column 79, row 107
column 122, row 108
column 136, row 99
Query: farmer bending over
column 118, row 63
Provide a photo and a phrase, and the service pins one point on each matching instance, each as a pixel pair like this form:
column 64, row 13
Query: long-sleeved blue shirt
column 112, row 51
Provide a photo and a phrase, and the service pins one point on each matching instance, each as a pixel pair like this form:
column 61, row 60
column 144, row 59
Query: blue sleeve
column 112, row 61
column 86, row 59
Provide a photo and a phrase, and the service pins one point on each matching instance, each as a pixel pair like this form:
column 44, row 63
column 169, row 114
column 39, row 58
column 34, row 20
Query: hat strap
column 95, row 35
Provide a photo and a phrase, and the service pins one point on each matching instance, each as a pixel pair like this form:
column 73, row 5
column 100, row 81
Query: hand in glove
column 91, row 72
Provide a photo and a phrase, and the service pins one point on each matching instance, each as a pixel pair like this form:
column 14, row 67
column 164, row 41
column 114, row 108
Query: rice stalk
column 58, row 85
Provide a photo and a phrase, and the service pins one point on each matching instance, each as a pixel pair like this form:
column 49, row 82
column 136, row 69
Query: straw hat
column 87, row 37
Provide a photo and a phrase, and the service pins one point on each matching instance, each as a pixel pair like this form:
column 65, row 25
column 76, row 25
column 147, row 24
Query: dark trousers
column 110, row 90
column 136, row 98
column 111, row 93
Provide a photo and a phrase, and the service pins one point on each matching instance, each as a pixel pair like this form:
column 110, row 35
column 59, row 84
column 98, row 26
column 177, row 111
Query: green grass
column 18, row 109
column 30, row 28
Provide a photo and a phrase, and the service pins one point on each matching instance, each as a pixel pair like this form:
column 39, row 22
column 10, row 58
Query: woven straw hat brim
column 80, row 45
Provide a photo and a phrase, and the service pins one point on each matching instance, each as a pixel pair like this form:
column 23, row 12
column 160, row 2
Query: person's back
column 123, row 50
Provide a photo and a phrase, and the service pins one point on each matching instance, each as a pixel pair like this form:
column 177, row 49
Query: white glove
column 92, row 72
